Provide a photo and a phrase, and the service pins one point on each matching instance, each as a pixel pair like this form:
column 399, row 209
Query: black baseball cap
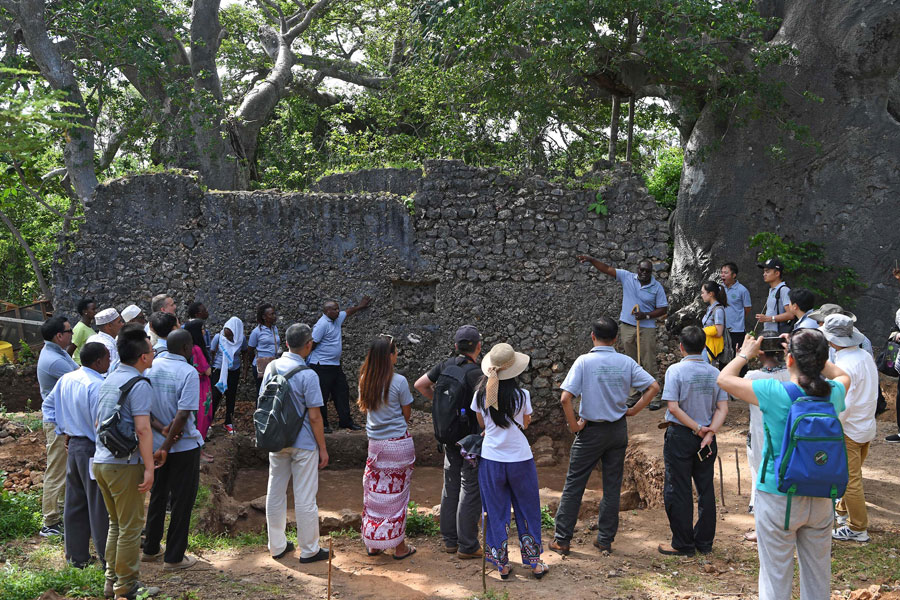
column 467, row 333
column 772, row 263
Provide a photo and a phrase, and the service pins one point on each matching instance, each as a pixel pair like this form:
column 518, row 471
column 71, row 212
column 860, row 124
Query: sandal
column 374, row 552
column 544, row 570
column 505, row 576
column 410, row 552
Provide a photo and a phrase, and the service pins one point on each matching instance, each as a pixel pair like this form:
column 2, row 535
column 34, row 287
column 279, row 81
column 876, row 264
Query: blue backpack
column 813, row 459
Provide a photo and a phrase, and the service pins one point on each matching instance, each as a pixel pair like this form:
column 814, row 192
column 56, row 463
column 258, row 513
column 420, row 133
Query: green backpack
column 276, row 420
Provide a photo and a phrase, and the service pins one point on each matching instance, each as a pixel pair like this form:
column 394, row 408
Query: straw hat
column 502, row 362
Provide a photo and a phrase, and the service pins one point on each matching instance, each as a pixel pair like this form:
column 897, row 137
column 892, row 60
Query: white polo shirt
column 859, row 417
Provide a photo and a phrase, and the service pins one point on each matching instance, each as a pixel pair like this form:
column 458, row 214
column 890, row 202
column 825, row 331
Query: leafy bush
column 26, row 356
column 664, row 180
column 17, row 583
column 420, row 523
column 547, row 520
column 805, row 266
column 20, row 514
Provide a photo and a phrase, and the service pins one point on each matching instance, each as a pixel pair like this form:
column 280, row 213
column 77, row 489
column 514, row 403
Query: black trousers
column 180, row 478
column 682, row 466
column 234, row 379
column 334, row 386
column 603, row 442
column 85, row 515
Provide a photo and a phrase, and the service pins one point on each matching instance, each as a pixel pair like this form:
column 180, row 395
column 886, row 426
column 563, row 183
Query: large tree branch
column 344, row 70
column 35, row 265
column 317, row 9
column 34, row 194
column 79, row 149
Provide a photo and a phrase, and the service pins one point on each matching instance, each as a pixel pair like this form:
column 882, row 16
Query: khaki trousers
column 119, row 486
column 854, row 500
column 628, row 339
column 54, row 476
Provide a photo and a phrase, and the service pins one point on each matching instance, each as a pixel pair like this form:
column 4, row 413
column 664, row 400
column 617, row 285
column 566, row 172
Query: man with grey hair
column 300, row 459
column 325, row 360
column 159, row 303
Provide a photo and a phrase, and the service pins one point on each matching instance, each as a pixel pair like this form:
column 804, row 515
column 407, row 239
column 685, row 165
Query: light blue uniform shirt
column 77, row 399
column 387, row 422
column 304, row 392
column 715, row 315
column 648, row 297
column 138, row 402
column 265, row 340
column 604, row 378
column 771, row 309
column 176, row 386
column 327, row 336
column 217, row 354
column 53, row 363
column 692, row 384
column 160, row 346
column 738, row 300
column 805, row 322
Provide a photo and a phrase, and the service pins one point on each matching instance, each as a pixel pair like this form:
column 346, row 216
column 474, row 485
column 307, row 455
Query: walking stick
column 483, row 553
column 330, row 554
column 638, row 325
column 737, row 465
column 721, row 480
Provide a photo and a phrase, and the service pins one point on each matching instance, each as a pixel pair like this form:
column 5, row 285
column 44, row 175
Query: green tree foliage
column 664, row 180
column 805, row 266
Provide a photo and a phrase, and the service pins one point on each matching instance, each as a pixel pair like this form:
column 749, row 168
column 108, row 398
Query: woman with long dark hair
column 713, row 322
column 809, row 520
column 385, row 399
column 507, row 474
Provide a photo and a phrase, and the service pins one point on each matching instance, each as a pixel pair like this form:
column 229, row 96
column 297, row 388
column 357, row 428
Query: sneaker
column 656, row 405
column 51, row 530
column 108, row 589
column 140, row 590
column 841, row 520
column 186, row 563
column 229, row 429
column 152, row 557
column 469, row 555
column 893, row 439
column 846, row 534
column 322, row 554
column 287, row 550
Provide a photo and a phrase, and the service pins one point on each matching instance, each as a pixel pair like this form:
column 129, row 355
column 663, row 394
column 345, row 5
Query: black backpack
column 276, row 420
column 451, row 400
column 786, row 326
column 120, row 443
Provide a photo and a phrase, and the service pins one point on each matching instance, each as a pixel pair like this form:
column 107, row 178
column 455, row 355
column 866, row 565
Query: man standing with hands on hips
column 643, row 301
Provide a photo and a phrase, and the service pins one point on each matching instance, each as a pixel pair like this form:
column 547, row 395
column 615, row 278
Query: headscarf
column 195, row 328
column 230, row 349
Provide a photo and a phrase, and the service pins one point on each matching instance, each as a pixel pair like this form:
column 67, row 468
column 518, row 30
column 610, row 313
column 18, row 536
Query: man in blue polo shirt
column 53, row 363
column 325, row 360
column 643, row 301
column 176, row 393
column 76, row 398
column 739, row 307
column 603, row 379
column 697, row 409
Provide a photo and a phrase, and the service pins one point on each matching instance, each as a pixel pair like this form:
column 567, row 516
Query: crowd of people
column 127, row 409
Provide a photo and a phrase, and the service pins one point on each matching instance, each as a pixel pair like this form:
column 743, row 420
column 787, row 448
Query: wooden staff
column 721, row 480
column 737, row 465
column 637, row 324
column 330, row 554
column 484, row 553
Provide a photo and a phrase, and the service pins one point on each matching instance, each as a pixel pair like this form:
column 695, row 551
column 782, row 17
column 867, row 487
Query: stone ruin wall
column 475, row 246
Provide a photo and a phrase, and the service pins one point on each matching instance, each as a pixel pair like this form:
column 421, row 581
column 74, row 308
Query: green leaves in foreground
column 420, row 523
column 17, row 583
column 20, row 514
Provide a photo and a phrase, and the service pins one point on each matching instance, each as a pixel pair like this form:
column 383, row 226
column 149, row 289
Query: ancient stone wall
column 480, row 247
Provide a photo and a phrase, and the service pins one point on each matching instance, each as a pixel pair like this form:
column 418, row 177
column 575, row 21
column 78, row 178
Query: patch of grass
column 492, row 595
column 218, row 541
column 864, row 564
column 351, row 534
column 31, row 420
column 18, row 583
column 420, row 523
column 20, row 512
column 547, row 520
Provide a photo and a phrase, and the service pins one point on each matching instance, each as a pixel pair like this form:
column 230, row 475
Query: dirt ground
column 634, row 570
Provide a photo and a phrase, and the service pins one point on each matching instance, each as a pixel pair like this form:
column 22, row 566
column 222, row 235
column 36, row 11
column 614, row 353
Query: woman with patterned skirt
column 506, row 472
column 385, row 398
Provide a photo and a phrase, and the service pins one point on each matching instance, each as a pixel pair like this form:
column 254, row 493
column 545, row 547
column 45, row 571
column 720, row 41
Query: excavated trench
column 238, row 478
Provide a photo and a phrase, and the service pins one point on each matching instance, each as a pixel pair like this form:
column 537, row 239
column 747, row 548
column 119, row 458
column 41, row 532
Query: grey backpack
column 276, row 420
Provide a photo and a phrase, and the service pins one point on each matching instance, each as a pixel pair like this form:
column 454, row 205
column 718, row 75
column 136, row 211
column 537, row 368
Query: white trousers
column 809, row 533
column 302, row 465
column 755, row 447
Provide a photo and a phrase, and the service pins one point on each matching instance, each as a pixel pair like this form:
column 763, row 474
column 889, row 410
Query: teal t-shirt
column 775, row 403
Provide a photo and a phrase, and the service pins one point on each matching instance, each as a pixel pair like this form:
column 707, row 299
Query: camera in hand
column 772, row 344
